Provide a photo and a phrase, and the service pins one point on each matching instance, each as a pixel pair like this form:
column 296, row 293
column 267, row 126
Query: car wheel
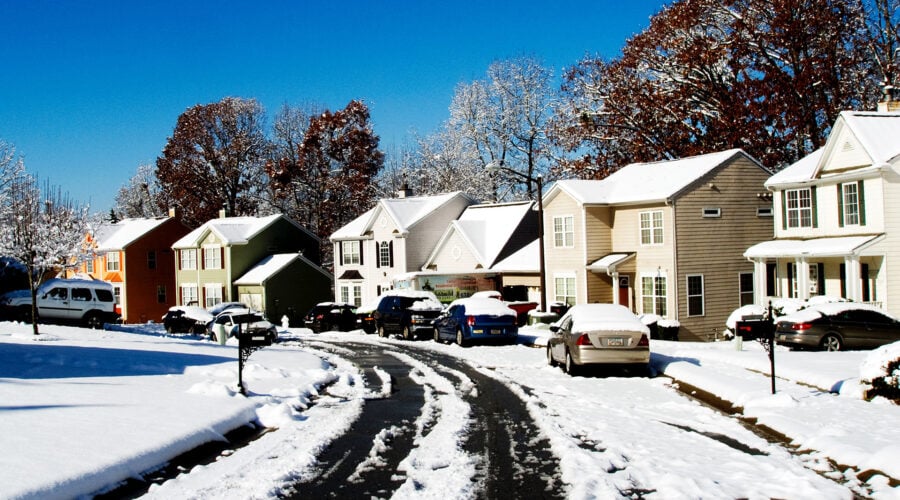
column 169, row 329
column 381, row 331
column 831, row 343
column 406, row 333
column 437, row 335
column 93, row 321
column 571, row 367
column 550, row 357
column 460, row 339
column 326, row 327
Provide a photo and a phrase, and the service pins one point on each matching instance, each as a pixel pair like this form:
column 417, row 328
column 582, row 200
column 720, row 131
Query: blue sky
column 91, row 89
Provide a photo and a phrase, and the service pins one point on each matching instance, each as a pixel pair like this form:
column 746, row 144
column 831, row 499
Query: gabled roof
column 645, row 182
column 525, row 260
column 232, row 230
column 486, row 229
column 113, row 237
column 272, row 265
column 802, row 171
column 404, row 212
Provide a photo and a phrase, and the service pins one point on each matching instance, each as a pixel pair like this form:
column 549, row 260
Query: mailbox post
column 247, row 344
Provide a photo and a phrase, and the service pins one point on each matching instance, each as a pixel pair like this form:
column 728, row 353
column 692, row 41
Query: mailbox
column 255, row 339
column 754, row 329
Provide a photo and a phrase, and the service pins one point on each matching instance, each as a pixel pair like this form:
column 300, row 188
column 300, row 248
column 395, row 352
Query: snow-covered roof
column 484, row 306
column 272, row 265
column 605, row 263
column 817, row 247
column 526, row 260
column 111, row 237
column 644, row 182
column 802, row 171
column 405, row 213
column 879, row 133
column 231, row 230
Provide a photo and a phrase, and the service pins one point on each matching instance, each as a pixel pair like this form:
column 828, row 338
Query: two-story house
column 209, row 259
column 394, row 237
column 135, row 255
column 837, row 217
column 664, row 238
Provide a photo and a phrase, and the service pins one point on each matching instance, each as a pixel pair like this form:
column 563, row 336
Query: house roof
column 803, row 170
column 112, row 237
column 607, row 262
column 644, row 182
column 272, row 265
column 525, row 260
column 232, row 230
column 486, row 229
column 818, row 247
column 404, row 212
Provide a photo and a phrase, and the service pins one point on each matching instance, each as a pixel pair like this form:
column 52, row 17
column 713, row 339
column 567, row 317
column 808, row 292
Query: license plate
column 496, row 331
column 782, row 337
column 615, row 342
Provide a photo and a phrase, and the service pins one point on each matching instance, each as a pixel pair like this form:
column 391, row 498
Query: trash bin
column 668, row 329
column 220, row 333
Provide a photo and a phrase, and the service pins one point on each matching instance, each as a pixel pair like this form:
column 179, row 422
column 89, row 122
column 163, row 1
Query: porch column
column 759, row 282
column 852, row 279
column 802, row 278
column 615, row 280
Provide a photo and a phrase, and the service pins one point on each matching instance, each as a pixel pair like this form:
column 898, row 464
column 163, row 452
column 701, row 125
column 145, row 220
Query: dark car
column 186, row 319
column 328, row 316
column 467, row 320
column 836, row 326
column 406, row 312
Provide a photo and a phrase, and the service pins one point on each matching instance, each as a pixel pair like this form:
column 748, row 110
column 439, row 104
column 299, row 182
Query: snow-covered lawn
column 84, row 409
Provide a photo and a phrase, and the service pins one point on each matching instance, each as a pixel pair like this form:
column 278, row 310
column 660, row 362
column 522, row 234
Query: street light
column 494, row 167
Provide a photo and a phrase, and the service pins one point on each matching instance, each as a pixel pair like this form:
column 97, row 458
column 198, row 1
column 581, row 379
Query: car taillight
column 644, row 342
column 319, row 317
column 583, row 340
column 470, row 320
column 801, row 326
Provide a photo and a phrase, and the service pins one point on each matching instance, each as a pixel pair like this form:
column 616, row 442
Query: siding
column 455, row 256
column 566, row 261
column 888, row 280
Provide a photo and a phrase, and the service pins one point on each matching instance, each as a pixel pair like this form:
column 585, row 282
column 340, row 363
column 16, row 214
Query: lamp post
column 493, row 167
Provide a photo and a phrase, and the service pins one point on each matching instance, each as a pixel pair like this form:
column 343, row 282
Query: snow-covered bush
column 881, row 370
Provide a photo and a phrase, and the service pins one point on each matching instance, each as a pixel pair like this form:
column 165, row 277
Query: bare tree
column 140, row 197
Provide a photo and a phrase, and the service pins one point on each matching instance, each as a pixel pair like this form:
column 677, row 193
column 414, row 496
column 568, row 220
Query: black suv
column 329, row 316
column 409, row 313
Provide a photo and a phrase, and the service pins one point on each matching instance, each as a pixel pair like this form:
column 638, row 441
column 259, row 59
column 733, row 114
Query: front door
column 625, row 291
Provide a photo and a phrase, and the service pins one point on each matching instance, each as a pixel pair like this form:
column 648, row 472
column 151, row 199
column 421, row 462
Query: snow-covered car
column 474, row 318
column 599, row 334
column 186, row 319
column 407, row 312
column 837, row 325
column 244, row 322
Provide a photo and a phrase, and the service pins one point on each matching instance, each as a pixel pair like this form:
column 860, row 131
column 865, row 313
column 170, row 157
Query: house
column 837, row 218
column 271, row 286
column 135, row 255
column 475, row 253
column 393, row 238
column 664, row 238
column 210, row 258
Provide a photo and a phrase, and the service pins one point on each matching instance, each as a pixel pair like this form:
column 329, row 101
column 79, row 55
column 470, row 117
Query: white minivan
column 89, row 302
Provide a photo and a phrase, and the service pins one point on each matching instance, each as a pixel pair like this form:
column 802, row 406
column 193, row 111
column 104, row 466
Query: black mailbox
column 255, row 339
column 754, row 329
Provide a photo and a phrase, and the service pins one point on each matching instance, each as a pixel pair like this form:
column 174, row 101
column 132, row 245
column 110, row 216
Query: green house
column 284, row 285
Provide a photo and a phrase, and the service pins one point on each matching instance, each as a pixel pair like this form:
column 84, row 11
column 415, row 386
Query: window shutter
column 201, row 259
column 391, row 253
column 377, row 255
column 224, row 298
column 820, row 268
column 783, row 210
column 181, row 295
column 790, row 279
column 340, row 251
column 861, row 200
column 815, row 208
column 840, row 195
column 222, row 257
column 843, row 273
column 361, row 252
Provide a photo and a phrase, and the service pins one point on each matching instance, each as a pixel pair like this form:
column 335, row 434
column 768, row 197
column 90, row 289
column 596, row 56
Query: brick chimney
column 404, row 191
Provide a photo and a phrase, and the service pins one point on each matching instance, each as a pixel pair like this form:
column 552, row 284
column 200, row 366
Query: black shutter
column 340, row 250
column 840, row 195
column 783, row 210
column 815, row 208
column 391, row 253
column 861, row 200
column 820, row 268
column 843, row 273
column 790, row 279
column 377, row 254
column 361, row 247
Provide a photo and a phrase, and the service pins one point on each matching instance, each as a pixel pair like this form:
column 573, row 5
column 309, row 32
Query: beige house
column 664, row 238
column 837, row 218
column 393, row 238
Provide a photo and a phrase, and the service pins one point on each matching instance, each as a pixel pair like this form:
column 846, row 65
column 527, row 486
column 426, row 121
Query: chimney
column 889, row 102
column 223, row 212
column 404, row 191
column 173, row 212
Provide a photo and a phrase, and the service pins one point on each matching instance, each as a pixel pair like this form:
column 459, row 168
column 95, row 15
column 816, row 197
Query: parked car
column 598, row 334
column 327, row 316
column 246, row 321
column 186, row 319
column 365, row 317
column 222, row 306
column 836, row 326
column 406, row 312
column 475, row 318
column 88, row 302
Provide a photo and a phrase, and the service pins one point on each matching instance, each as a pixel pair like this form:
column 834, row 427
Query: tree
column 332, row 179
column 215, row 159
column 141, row 197
column 883, row 22
column 46, row 233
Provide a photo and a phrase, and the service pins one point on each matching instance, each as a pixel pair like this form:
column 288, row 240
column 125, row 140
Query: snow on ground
column 91, row 408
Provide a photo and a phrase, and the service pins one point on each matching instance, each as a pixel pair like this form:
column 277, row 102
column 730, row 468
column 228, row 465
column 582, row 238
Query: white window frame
column 187, row 260
column 564, row 231
column 798, row 208
column 701, row 295
column 712, row 212
column 850, row 195
column 564, row 288
column 211, row 292
column 112, row 262
column 384, row 254
column 189, row 293
column 351, row 252
column 652, row 224
column 89, row 266
column 351, row 293
column 658, row 303
column 742, row 292
column 212, row 257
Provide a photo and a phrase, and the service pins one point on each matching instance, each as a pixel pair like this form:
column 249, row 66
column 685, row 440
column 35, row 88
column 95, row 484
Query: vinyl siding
column 889, row 281
column 455, row 256
column 650, row 259
column 565, row 261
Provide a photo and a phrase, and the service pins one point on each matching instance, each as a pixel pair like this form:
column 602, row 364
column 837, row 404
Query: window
column 212, row 294
column 712, row 213
column 351, row 294
column 653, row 295
column 151, row 259
column 384, row 254
column 764, row 212
column 564, row 289
column 212, row 258
column 117, row 293
column 112, row 261
column 564, row 231
column 81, row 294
column 848, row 200
column 89, row 266
column 188, row 259
column 161, row 294
column 798, row 207
column 746, row 288
column 350, row 252
column 652, row 227
column 695, row 302
column 189, row 295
